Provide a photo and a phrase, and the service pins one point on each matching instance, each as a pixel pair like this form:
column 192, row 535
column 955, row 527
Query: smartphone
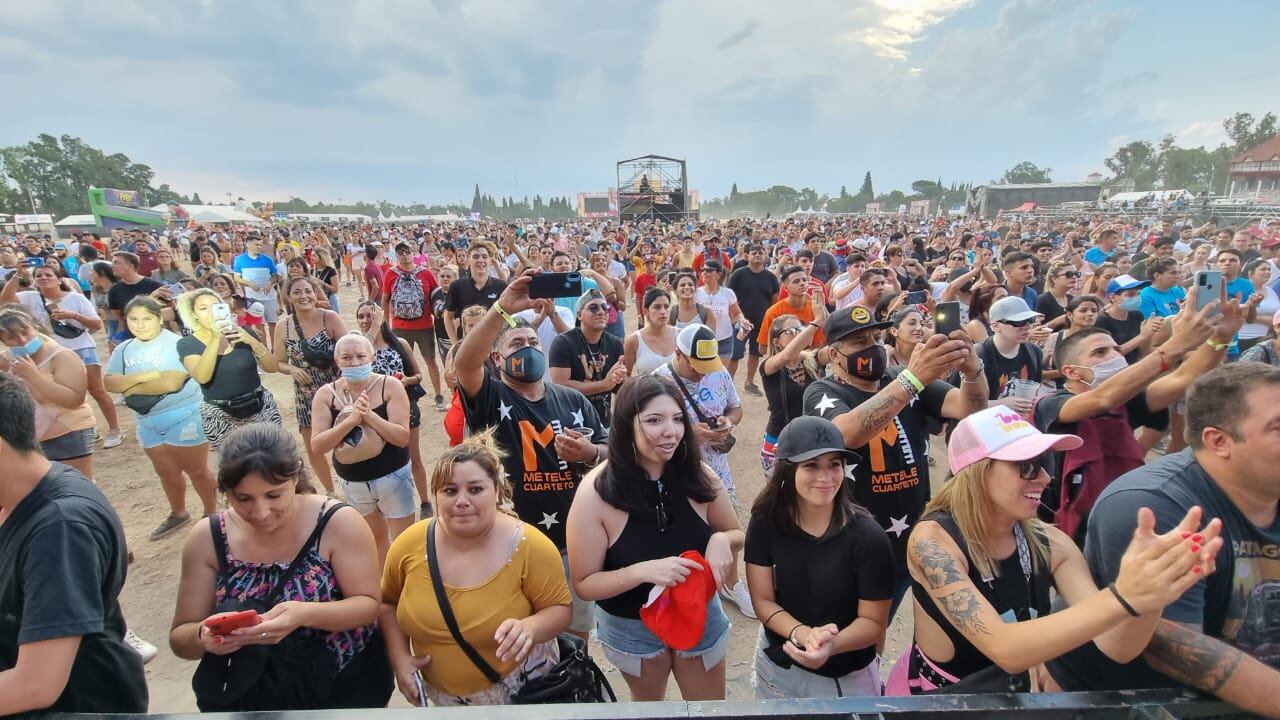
column 35, row 262
column 946, row 317
column 555, row 285
column 916, row 297
column 1208, row 287
column 221, row 313
column 224, row 623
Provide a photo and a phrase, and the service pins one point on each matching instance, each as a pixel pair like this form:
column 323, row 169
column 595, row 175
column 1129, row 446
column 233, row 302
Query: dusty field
column 126, row 476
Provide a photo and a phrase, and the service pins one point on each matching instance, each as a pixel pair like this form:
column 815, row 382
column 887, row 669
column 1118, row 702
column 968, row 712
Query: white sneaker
column 114, row 438
column 739, row 596
column 142, row 647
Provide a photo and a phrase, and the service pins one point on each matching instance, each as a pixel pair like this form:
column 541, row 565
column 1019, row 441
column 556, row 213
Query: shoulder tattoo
column 936, row 564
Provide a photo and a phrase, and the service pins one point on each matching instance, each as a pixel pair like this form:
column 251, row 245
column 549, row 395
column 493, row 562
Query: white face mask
column 1105, row 369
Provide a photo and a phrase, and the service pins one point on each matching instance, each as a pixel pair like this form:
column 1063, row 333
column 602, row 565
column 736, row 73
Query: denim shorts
column 391, row 493
column 88, row 355
column 72, row 446
column 628, row 642
column 177, row 427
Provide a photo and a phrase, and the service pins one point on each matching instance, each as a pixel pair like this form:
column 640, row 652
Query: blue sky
column 417, row 101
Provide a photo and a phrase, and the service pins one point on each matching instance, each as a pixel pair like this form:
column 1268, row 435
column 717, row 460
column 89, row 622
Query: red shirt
column 428, row 279
column 702, row 257
column 644, row 281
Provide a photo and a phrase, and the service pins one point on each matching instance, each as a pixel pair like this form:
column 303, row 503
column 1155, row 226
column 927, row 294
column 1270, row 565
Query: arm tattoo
column 964, row 608
column 936, row 565
column 1191, row 657
column 877, row 412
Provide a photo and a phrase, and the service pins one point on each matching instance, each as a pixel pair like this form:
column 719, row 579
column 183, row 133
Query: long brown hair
column 964, row 498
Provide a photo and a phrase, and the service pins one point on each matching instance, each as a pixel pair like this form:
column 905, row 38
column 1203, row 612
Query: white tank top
column 647, row 360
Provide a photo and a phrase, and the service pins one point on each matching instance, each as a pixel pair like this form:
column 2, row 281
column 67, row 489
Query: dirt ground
column 126, row 476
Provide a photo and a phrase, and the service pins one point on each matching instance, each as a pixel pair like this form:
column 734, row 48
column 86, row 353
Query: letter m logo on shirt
column 530, row 439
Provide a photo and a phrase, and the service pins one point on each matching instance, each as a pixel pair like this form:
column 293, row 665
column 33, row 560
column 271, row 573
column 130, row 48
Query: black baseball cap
column 809, row 436
column 850, row 320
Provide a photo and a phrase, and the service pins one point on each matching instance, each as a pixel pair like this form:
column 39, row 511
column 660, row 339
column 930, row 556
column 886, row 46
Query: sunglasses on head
column 1030, row 469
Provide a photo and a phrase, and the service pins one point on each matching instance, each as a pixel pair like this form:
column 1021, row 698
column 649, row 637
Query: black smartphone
column 946, row 317
column 916, row 297
column 555, row 285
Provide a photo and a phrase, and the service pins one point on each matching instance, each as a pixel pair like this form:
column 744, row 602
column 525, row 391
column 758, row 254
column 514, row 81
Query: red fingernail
column 1195, row 548
column 1196, row 569
column 1186, row 535
column 1196, row 539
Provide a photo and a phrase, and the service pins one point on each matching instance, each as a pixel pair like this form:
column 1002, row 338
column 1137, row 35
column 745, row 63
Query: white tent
column 76, row 221
column 218, row 214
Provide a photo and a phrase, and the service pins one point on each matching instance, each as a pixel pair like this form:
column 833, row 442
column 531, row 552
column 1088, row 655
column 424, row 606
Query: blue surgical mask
column 359, row 373
column 30, row 348
column 1130, row 304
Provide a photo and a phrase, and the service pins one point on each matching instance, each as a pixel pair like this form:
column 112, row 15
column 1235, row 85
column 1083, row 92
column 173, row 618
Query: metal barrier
column 1131, row 705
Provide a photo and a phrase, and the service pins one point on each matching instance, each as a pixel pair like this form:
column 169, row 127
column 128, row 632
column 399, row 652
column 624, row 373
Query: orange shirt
column 803, row 313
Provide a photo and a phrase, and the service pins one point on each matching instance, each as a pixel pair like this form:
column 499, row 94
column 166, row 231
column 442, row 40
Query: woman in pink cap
column 982, row 565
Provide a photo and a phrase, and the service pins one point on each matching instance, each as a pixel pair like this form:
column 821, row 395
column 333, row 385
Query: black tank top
column 1015, row 595
column 388, row 460
column 642, row 540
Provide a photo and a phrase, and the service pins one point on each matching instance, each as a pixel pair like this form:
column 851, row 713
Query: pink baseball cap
column 1000, row 433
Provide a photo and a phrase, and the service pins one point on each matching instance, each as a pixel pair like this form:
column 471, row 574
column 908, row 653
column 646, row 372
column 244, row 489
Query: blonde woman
column 982, row 565
column 503, row 580
column 327, row 274
column 225, row 358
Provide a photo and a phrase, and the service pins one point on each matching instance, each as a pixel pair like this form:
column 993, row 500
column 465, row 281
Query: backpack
column 408, row 297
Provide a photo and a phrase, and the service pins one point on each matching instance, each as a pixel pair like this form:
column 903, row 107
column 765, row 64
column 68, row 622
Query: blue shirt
column 1095, row 255
column 1161, row 303
column 134, row 356
column 1239, row 289
column 571, row 303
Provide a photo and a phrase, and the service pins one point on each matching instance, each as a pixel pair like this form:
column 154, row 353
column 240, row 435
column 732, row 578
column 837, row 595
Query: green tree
column 1244, row 134
column 1026, row 172
column 1138, row 161
column 866, row 190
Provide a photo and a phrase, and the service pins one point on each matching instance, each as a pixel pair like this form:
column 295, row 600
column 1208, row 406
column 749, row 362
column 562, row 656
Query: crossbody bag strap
column 314, row 538
column 702, row 418
column 442, row 599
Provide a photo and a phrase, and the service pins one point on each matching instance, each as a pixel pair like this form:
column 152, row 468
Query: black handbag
column 62, row 328
column 297, row 673
column 574, row 679
column 314, row 358
column 725, row 445
column 242, row 406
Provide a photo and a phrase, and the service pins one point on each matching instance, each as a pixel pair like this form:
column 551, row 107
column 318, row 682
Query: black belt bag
column 242, row 406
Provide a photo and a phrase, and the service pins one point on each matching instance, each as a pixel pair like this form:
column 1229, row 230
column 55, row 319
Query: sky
column 417, row 101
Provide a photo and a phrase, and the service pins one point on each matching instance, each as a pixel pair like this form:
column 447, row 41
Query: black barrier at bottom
column 1131, row 705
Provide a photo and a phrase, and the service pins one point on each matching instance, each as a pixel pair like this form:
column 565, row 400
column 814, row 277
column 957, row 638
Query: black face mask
column 867, row 364
column 527, row 365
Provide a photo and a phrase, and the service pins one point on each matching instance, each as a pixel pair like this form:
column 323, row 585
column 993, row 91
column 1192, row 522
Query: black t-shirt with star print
column 542, row 484
column 891, row 479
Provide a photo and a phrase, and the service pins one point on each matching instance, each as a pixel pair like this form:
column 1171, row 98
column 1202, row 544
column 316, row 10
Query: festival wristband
column 506, row 316
column 1217, row 345
column 911, row 378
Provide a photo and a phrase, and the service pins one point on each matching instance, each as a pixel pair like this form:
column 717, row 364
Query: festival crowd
column 1107, row 391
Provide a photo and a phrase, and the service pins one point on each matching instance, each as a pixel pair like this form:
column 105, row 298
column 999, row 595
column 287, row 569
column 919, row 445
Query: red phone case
column 224, row 623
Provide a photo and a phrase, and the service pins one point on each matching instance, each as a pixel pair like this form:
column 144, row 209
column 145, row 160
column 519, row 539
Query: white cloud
column 1203, row 133
column 903, row 22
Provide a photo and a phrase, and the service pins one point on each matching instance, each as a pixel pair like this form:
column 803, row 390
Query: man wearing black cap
column 587, row 358
column 883, row 415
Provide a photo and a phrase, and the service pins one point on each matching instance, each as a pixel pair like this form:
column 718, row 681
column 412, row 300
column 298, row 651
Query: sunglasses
column 789, row 331
column 1071, row 274
column 1017, row 323
column 664, row 518
column 1031, row 469
column 596, row 308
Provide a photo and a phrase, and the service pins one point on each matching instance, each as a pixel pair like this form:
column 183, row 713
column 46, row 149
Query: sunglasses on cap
column 1031, row 469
